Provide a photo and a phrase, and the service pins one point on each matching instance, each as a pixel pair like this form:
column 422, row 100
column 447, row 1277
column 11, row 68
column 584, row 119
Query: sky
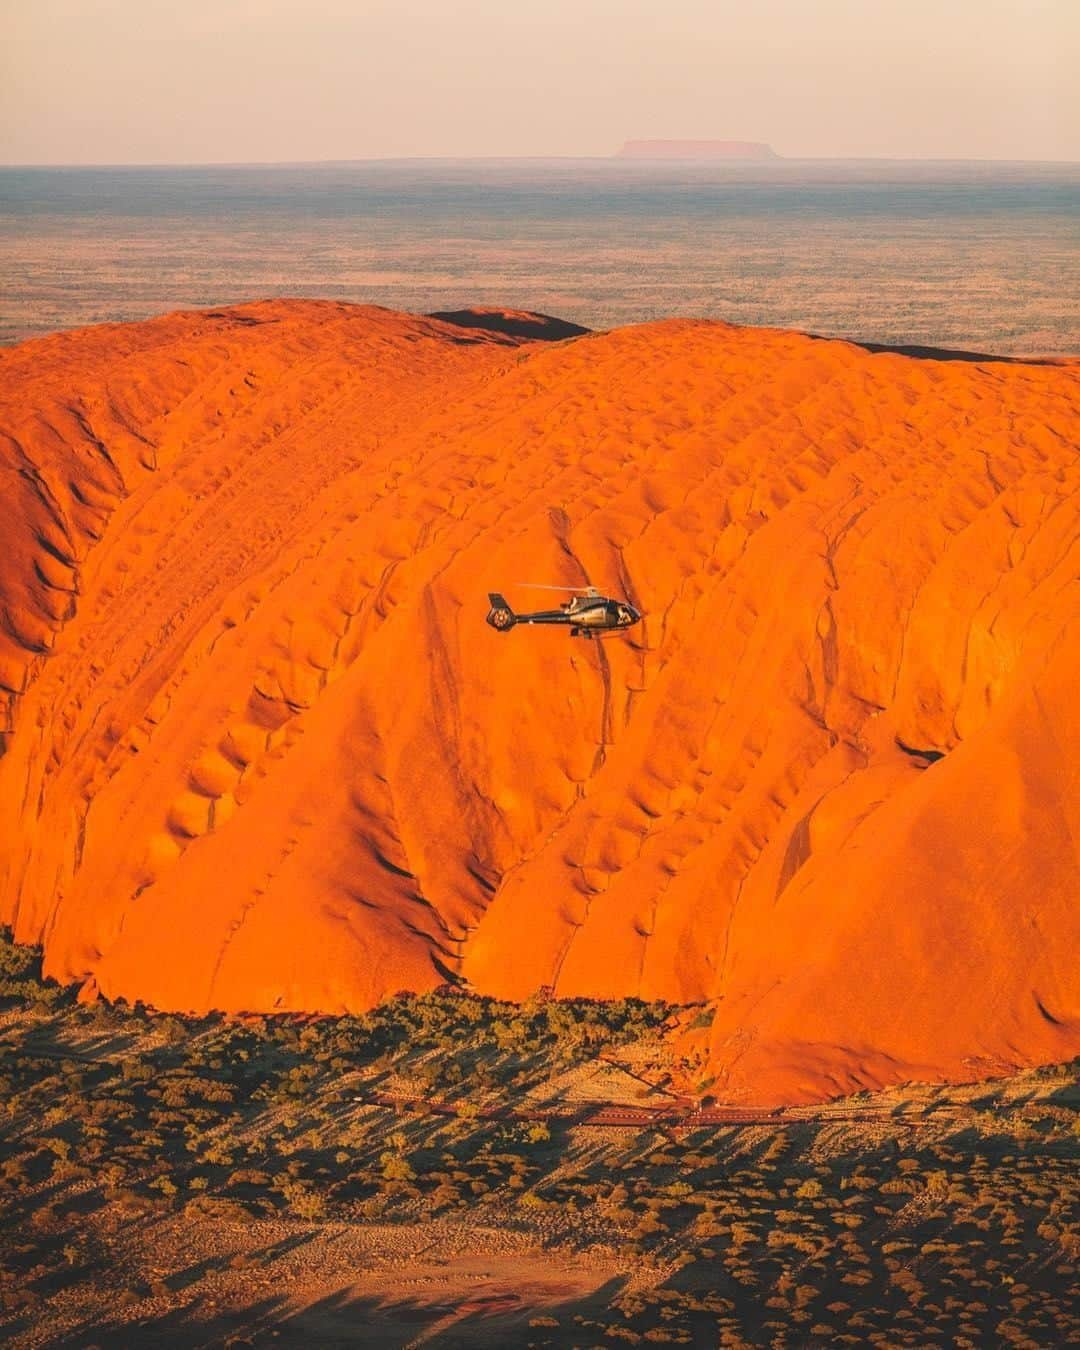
column 220, row 81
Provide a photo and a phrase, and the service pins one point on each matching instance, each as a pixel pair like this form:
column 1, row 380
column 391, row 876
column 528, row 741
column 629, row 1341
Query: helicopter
column 587, row 613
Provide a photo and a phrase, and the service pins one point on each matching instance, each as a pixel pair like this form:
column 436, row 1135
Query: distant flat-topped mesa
column 260, row 752
column 697, row 150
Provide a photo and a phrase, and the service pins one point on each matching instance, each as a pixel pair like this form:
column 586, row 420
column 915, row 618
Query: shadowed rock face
column 512, row 323
column 262, row 752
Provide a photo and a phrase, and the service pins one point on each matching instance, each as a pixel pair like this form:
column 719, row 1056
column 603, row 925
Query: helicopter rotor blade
column 543, row 586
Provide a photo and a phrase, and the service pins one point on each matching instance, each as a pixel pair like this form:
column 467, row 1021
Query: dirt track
column 681, row 1114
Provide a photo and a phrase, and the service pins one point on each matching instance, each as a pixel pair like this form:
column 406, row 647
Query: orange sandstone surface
column 261, row 752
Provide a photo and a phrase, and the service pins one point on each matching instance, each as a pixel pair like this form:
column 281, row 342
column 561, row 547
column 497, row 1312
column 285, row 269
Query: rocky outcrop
column 737, row 150
column 262, row 752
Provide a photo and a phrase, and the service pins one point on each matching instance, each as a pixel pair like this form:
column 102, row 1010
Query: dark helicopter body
column 588, row 614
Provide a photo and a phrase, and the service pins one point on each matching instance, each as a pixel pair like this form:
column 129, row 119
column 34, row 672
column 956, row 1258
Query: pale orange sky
column 200, row 81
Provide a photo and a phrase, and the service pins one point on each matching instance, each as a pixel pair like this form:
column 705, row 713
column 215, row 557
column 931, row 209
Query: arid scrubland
column 226, row 1181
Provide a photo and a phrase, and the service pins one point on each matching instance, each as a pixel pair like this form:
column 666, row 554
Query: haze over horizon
column 250, row 81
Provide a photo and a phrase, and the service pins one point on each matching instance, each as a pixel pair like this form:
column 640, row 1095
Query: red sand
column 264, row 753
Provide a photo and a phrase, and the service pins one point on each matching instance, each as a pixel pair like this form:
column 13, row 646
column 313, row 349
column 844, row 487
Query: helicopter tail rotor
column 500, row 616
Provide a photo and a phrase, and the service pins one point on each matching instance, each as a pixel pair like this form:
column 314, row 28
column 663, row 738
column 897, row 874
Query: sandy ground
column 393, row 1286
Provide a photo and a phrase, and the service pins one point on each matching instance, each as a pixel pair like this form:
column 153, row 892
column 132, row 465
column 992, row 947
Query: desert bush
column 305, row 1203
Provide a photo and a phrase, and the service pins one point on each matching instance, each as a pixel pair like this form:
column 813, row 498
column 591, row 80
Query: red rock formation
column 262, row 751
column 738, row 150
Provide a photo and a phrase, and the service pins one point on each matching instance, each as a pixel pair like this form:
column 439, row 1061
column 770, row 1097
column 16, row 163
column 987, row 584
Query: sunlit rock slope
column 262, row 752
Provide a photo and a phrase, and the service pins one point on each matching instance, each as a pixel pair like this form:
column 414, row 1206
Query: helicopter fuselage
column 584, row 615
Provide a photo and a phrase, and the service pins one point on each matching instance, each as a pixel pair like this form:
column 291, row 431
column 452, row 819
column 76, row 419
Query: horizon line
column 616, row 158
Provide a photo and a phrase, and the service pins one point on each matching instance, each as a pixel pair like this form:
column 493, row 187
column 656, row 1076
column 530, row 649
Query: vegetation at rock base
column 117, row 1123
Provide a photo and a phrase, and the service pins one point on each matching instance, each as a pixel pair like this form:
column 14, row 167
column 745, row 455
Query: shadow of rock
column 485, row 1320
column 951, row 354
column 513, row 323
